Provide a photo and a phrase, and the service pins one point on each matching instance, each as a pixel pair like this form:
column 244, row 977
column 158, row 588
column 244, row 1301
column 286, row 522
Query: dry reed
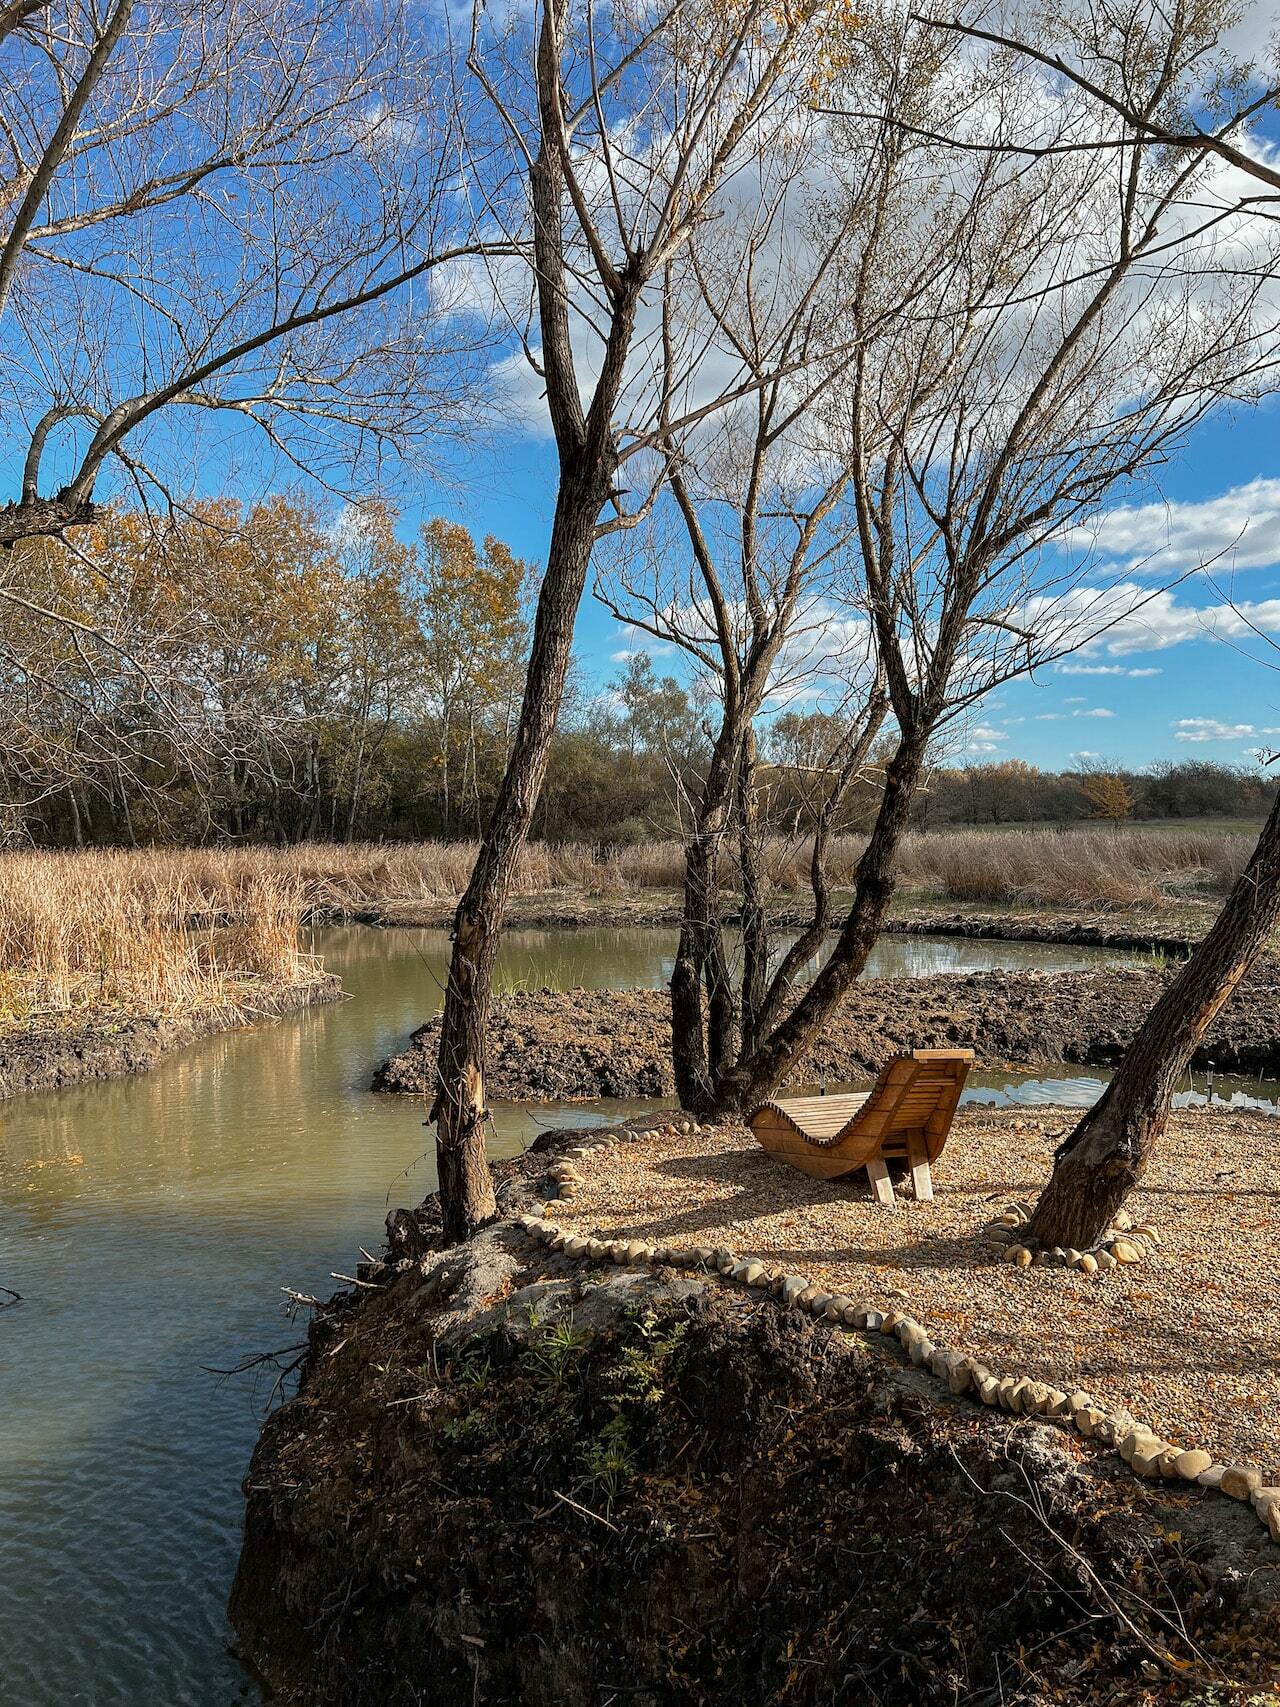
column 160, row 929
column 108, row 932
column 1077, row 867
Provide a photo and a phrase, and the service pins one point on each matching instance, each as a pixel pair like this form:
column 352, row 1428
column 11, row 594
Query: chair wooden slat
column 907, row 1115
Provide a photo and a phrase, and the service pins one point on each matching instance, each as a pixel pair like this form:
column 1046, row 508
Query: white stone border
column 1141, row 1448
column 1006, row 1238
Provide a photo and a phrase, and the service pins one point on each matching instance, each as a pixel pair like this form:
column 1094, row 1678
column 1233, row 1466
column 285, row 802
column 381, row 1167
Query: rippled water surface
column 150, row 1223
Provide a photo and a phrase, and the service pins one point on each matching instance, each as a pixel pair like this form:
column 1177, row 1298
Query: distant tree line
column 267, row 674
column 1011, row 791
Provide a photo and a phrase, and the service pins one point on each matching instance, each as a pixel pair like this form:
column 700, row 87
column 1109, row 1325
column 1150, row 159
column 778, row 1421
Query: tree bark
column 758, row 1075
column 460, row 1111
column 1111, row 1148
column 697, row 1046
column 689, row 1060
column 755, row 922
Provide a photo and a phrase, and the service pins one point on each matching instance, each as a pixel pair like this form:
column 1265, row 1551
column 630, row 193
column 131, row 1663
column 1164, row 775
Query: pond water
column 150, row 1224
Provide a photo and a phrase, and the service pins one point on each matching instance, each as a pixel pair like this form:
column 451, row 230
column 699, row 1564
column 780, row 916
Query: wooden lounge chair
column 908, row 1114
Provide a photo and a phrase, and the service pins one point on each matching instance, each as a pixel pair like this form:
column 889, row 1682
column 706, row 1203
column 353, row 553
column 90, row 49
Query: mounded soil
column 508, row 1478
column 586, row 1043
column 42, row 1060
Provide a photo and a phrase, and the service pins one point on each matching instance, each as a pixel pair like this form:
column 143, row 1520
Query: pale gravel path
column 1188, row 1340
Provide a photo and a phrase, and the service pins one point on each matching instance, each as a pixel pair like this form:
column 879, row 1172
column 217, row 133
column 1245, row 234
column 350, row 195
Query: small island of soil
column 110, row 1046
column 583, row 1044
column 508, row 1477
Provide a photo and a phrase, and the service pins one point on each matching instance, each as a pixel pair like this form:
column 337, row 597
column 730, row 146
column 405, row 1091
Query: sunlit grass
column 160, row 930
column 112, row 932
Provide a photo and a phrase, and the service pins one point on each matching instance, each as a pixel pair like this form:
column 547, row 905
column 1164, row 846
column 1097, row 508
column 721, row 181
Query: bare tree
column 1103, row 43
column 217, row 208
column 735, row 570
column 1198, row 107
column 1081, row 320
column 1106, row 1155
column 627, row 139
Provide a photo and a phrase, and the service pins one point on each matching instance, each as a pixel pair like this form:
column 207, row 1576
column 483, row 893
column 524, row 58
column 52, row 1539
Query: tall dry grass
column 113, row 932
column 1077, row 867
column 174, row 929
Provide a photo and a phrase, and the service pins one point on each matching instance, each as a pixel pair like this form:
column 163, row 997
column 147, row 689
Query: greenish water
column 150, row 1224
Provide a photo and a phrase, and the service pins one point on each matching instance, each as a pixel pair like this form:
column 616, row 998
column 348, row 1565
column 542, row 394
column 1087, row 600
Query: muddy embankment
column 1173, row 929
column 589, row 1043
column 113, row 1048
column 510, row 1478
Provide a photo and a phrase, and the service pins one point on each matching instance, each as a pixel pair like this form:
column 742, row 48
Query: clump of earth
column 508, row 1478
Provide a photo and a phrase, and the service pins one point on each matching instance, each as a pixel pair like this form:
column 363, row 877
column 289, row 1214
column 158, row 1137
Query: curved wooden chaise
column 908, row 1113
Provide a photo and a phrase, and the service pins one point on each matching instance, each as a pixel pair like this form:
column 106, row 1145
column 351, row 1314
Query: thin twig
column 586, row 1512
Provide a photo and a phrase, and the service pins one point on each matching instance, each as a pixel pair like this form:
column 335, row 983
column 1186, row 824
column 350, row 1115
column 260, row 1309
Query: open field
column 1084, row 865
column 1078, row 867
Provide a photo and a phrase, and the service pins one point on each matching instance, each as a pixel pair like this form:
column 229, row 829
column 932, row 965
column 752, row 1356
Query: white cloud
column 1074, row 699
column 1084, row 755
column 1106, row 670
column 1127, row 618
column 982, row 738
column 1094, row 711
column 1212, row 729
column 1240, row 529
column 639, row 644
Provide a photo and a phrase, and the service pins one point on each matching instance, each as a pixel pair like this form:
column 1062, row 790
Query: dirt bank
column 112, row 1048
column 509, row 1478
column 1173, row 929
column 587, row 1043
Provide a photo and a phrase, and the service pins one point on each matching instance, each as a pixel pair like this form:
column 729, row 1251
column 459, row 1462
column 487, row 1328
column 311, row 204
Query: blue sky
column 1170, row 692
column 1123, row 700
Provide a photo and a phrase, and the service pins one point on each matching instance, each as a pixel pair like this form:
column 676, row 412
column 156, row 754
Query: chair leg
column 881, row 1184
column 921, row 1177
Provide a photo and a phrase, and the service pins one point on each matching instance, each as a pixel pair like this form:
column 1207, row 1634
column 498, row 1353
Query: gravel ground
column 1189, row 1340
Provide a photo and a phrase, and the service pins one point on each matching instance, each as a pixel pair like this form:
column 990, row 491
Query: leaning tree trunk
column 459, row 1110
column 1109, row 1151
column 755, row 918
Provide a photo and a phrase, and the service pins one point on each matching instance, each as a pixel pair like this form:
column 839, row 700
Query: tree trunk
column 459, row 1110
column 755, row 922
column 77, row 828
column 761, row 1072
column 1109, row 1151
column 357, row 779
column 698, row 1044
column 688, row 1036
